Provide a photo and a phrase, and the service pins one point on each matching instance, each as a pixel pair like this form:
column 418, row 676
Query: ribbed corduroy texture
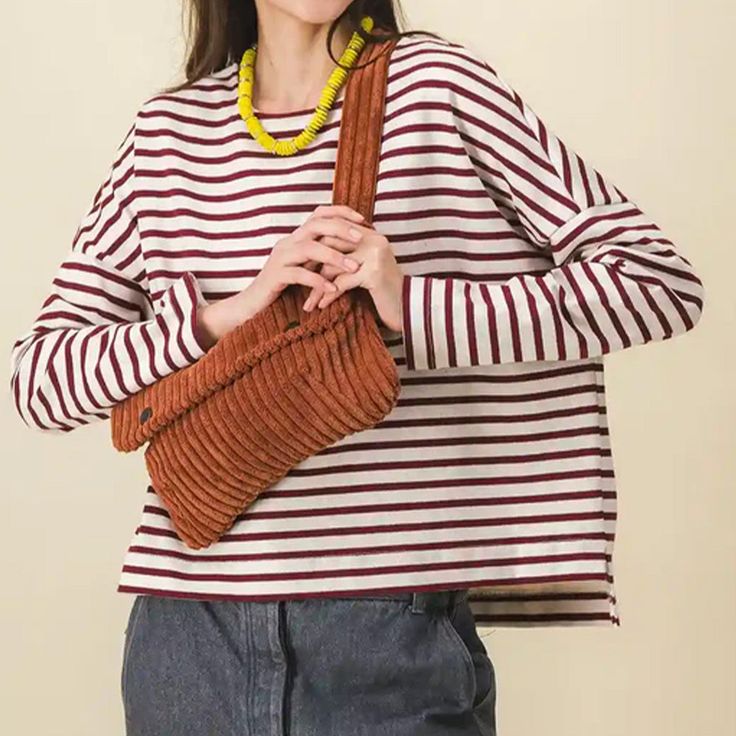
column 280, row 386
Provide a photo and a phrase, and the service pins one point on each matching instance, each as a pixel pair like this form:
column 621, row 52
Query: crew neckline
column 295, row 114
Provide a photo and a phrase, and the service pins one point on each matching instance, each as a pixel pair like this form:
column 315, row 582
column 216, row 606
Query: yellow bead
column 266, row 141
column 254, row 126
column 286, row 148
column 246, row 76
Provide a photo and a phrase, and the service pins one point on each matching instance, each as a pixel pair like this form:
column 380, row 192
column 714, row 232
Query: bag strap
column 136, row 419
column 361, row 130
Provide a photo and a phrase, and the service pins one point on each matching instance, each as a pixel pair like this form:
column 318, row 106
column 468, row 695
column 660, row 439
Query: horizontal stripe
column 523, row 267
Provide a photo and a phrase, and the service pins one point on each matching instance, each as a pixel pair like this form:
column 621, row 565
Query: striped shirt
column 523, row 266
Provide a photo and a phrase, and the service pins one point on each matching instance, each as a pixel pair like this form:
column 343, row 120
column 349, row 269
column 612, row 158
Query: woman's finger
column 316, row 294
column 344, row 282
column 337, row 210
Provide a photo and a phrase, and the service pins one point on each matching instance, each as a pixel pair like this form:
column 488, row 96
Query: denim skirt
column 376, row 664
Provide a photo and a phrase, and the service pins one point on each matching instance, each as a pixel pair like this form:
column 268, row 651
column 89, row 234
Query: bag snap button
column 146, row 414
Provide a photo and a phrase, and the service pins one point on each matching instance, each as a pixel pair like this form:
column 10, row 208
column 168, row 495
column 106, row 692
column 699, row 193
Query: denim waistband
column 420, row 600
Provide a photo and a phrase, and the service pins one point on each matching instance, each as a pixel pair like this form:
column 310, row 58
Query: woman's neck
column 292, row 64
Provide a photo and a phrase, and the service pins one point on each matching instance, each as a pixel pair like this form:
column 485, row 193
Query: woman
column 502, row 267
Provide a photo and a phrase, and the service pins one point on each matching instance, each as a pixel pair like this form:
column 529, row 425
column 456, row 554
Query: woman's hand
column 292, row 261
column 379, row 273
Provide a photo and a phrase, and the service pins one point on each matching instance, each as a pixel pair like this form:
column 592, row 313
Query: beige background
column 641, row 88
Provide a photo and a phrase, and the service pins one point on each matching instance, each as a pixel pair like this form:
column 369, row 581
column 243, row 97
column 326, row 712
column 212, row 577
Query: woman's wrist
column 217, row 318
column 206, row 333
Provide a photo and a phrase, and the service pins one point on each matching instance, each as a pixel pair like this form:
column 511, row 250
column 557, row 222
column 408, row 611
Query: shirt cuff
column 177, row 308
column 416, row 322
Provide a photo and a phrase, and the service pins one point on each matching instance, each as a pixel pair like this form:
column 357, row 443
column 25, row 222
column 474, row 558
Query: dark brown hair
column 219, row 31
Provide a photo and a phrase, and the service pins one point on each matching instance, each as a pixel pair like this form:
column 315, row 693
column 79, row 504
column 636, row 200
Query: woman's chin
column 314, row 12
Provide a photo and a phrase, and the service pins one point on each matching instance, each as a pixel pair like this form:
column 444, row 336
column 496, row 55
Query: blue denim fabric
column 408, row 664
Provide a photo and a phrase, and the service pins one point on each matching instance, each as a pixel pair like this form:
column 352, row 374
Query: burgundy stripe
column 478, row 398
column 569, row 273
column 357, row 571
column 536, row 325
column 151, row 351
column 428, row 331
column 110, row 276
column 650, row 300
column 520, row 618
column 470, row 326
column 492, row 323
column 117, row 337
column 526, row 597
column 605, row 301
column 457, row 583
column 655, row 265
column 184, row 319
column 468, row 440
column 408, row 338
column 103, row 294
column 556, row 321
column 344, row 551
column 576, row 235
column 444, row 483
column 107, row 396
column 449, row 323
column 163, row 326
column 513, row 322
column 55, row 423
column 84, row 338
column 386, row 465
column 646, row 335
column 57, row 395
column 582, row 343
column 133, row 362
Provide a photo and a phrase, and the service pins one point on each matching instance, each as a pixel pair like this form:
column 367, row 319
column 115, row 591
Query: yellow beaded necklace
column 327, row 98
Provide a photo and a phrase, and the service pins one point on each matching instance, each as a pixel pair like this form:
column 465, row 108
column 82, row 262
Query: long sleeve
column 98, row 338
column 614, row 279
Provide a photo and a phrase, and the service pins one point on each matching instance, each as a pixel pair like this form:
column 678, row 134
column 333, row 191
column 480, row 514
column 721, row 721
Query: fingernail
column 355, row 234
column 350, row 263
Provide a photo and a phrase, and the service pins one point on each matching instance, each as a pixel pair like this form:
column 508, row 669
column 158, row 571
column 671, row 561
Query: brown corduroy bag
column 281, row 386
